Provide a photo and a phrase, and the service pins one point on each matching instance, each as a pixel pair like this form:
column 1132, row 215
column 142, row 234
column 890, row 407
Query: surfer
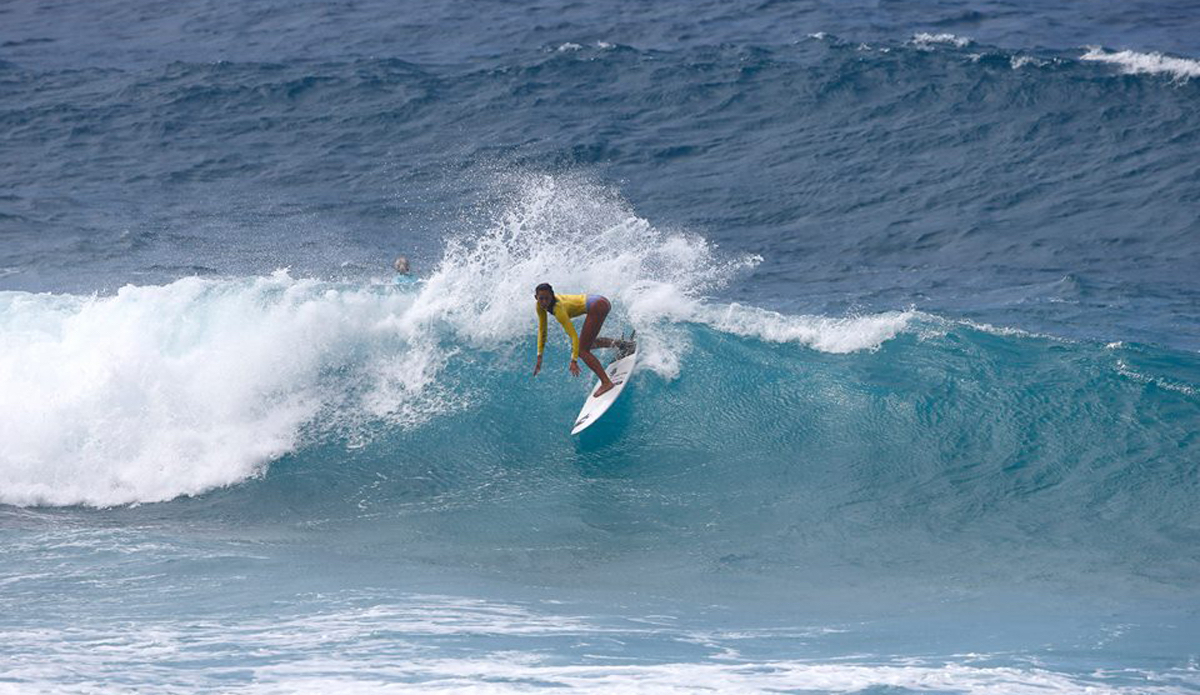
column 404, row 274
column 565, row 307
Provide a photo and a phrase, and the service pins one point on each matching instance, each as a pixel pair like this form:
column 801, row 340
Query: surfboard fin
column 626, row 346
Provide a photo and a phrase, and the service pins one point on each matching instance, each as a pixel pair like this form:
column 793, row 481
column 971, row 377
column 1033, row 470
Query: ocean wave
column 159, row 392
column 162, row 391
column 180, row 389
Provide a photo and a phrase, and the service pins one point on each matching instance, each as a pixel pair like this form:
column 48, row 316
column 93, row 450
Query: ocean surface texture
column 916, row 287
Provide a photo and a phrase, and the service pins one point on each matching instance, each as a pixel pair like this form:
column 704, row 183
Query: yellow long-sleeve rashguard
column 566, row 308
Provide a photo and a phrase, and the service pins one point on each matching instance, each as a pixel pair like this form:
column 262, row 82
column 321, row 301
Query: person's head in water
column 401, row 265
column 544, row 294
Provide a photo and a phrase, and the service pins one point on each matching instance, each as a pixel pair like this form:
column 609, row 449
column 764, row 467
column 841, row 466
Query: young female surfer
column 565, row 307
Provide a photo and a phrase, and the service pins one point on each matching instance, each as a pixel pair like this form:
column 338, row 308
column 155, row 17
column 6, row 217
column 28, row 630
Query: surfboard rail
column 618, row 371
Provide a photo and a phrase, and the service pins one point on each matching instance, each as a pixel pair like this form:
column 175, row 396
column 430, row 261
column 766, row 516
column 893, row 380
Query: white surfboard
column 595, row 406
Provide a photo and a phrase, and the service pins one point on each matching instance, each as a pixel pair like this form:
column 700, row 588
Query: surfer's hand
column 574, row 368
column 537, row 367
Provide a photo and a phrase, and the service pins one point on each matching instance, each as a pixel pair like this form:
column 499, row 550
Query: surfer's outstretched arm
column 541, row 338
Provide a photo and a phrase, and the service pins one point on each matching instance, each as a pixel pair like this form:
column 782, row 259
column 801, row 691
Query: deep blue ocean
column 916, row 287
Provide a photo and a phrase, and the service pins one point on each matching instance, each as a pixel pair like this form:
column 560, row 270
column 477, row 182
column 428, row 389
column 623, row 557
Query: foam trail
column 374, row 648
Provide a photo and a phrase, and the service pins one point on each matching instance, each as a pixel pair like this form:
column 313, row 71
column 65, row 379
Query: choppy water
column 917, row 408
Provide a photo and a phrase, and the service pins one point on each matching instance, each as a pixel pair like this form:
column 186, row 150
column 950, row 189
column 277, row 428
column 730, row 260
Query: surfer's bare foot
column 603, row 389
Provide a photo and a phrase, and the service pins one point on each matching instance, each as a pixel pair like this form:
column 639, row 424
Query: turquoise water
column 917, row 399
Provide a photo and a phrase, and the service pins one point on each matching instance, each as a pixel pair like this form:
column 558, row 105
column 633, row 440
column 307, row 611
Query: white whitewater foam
column 394, row 646
column 837, row 335
column 512, row 672
column 174, row 390
column 1132, row 62
column 926, row 40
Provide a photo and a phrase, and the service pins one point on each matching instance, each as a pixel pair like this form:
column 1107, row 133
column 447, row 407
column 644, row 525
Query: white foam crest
column 1132, row 62
column 158, row 392
column 926, row 40
column 826, row 334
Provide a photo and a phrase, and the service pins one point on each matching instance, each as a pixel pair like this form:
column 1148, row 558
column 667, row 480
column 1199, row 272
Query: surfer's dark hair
column 546, row 286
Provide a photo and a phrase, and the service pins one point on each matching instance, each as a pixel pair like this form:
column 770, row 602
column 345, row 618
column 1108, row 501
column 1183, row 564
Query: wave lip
column 821, row 333
column 1132, row 62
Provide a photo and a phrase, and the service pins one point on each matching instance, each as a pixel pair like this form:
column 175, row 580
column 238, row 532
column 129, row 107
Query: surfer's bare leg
column 588, row 338
column 594, row 364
